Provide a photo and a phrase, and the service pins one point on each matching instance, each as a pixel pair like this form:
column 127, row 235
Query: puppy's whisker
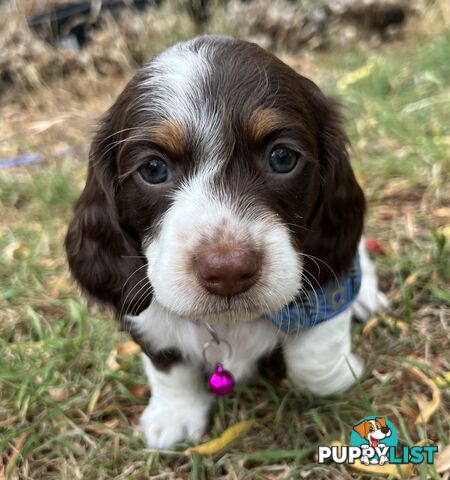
column 312, row 257
column 316, row 298
column 123, row 302
column 131, row 291
column 144, row 296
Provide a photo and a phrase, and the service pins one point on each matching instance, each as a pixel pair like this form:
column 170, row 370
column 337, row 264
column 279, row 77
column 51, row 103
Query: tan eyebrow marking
column 171, row 135
column 264, row 122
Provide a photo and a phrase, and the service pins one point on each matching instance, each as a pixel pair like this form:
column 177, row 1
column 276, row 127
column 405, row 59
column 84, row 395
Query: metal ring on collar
column 211, row 342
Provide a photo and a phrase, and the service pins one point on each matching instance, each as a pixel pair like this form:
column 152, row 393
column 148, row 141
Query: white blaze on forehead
column 175, row 89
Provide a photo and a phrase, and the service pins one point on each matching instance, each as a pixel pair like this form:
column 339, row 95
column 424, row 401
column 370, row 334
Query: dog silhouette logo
column 374, row 435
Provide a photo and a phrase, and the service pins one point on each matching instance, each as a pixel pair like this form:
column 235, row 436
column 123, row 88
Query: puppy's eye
column 155, row 171
column 282, row 160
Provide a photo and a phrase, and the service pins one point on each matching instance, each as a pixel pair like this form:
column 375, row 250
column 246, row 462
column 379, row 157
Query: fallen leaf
column 226, row 438
column 111, row 361
column 16, row 251
column 112, row 423
column 141, row 391
column 93, row 401
column 442, row 460
column 396, row 323
column 127, row 348
column 401, row 471
column 57, row 393
column 445, row 231
column 442, row 380
column 411, row 279
column 373, row 246
column 426, row 407
column 370, row 325
column 356, row 75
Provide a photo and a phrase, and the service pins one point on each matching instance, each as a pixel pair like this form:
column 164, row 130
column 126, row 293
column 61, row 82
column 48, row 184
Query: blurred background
column 71, row 385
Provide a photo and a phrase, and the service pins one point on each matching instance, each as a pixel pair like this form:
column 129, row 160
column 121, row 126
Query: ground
column 71, row 392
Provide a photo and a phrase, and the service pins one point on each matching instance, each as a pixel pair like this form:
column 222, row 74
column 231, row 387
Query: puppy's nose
column 384, row 430
column 228, row 272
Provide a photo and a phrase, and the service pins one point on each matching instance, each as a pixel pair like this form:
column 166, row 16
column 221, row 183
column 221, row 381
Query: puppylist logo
column 374, row 441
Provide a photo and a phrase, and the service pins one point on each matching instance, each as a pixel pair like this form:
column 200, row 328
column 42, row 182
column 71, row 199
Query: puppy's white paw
column 369, row 300
column 323, row 380
column 165, row 423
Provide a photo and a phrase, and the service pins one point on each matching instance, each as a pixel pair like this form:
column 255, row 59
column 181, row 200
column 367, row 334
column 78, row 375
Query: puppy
column 373, row 431
column 220, row 200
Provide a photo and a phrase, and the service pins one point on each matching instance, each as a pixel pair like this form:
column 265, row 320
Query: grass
column 68, row 404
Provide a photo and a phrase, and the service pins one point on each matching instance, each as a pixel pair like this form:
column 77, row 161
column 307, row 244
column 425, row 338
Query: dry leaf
column 218, row 444
column 15, row 251
column 57, row 393
column 127, row 348
column 369, row 326
column 141, row 391
column 401, row 471
column 442, row 380
column 112, row 423
column 395, row 323
column 356, row 75
column 111, row 361
column 445, row 230
column 93, row 401
column 411, row 279
column 442, row 460
column 427, row 407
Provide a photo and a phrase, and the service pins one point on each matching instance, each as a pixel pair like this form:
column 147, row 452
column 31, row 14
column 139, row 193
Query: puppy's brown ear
column 362, row 428
column 337, row 222
column 381, row 421
column 105, row 256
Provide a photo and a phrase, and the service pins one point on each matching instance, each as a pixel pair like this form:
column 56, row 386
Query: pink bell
column 221, row 381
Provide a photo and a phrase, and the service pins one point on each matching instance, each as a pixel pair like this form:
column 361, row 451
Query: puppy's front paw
column 368, row 303
column 165, row 423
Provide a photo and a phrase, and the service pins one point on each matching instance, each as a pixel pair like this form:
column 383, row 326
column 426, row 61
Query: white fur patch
column 179, row 406
column 197, row 212
column 319, row 360
column 370, row 299
column 162, row 329
column 176, row 80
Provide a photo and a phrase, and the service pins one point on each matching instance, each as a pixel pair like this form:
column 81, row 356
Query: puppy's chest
column 241, row 345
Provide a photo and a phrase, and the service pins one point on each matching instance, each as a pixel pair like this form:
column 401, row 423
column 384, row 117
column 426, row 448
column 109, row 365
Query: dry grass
column 67, row 410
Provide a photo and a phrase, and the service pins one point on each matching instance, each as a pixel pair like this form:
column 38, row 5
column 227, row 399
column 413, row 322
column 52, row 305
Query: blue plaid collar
column 316, row 306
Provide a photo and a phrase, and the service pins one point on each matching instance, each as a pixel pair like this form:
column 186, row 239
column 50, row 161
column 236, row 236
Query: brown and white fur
column 374, row 431
column 213, row 110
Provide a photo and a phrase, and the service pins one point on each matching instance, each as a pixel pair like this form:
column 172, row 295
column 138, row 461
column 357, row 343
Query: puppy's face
column 373, row 430
column 219, row 185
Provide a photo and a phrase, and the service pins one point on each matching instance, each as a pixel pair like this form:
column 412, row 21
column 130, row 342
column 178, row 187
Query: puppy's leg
column 369, row 299
column 179, row 404
column 320, row 360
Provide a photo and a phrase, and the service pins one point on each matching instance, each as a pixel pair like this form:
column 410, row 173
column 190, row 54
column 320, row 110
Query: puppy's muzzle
column 227, row 271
